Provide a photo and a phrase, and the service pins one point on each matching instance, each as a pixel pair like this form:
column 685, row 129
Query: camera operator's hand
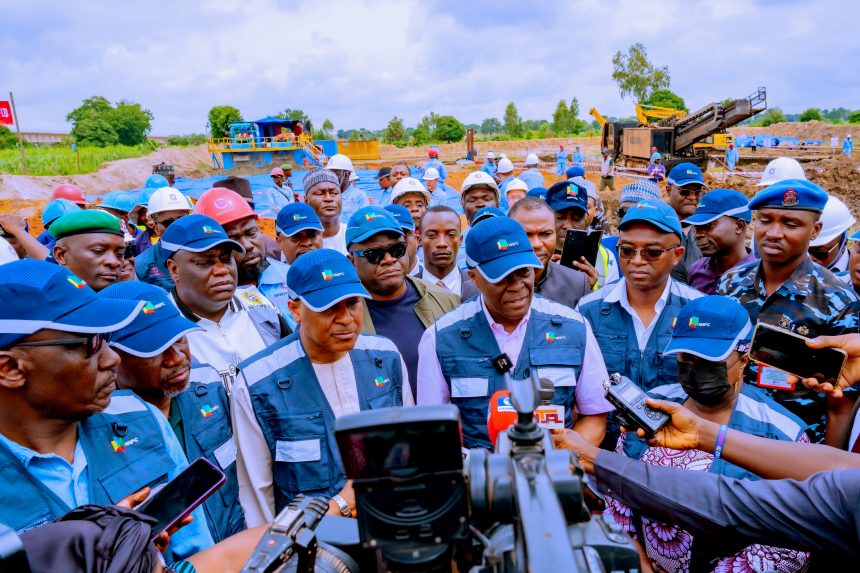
column 683, row 430
column 850, row 375
column 569, row 440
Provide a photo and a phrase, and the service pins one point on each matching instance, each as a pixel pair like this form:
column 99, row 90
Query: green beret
column 85, row 222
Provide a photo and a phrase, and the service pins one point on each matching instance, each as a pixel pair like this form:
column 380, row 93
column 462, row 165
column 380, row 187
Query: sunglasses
column 93, row 342
column 374, row 255
column 167, row 222
column 823, row 254
column 649, row 254
column 687, row 192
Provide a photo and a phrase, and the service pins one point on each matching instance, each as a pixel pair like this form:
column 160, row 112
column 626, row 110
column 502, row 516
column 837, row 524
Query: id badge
column 769, row 377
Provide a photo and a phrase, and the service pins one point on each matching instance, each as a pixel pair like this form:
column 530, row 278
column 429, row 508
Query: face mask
column 706, row 382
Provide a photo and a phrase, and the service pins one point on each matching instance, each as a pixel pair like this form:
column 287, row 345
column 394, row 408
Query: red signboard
column 5, row 113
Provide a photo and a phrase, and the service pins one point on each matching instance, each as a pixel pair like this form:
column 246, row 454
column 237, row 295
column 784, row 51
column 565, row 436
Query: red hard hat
column 71, row 192
column 433, row 153
column 223, row 205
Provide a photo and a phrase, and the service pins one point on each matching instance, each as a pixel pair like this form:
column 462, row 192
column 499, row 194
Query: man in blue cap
column 67, row 436
column 720, row 227
column 400, row 306
column 287, row 397
column 465, row 355
column 402, row 215
column 234, row 323
column 787, row 289
column 685, row 184
column 632, row 317
column 156, row 366
column 298, row 230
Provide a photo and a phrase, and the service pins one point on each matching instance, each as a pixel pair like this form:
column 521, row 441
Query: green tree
column 448, row 129
column 220, row 118
column 95, row 130
column 666, row 98
column 854, row 117
column 420, row 135
column 131, row 122
column 561, row 119
column 97, row 122
column 394, row 132
column 327, row 128
column 491, row 126
column 574, row 109
column 8, row 140
column 513, row 123
column 772, row 116
column 635, row 75
column 811, row 114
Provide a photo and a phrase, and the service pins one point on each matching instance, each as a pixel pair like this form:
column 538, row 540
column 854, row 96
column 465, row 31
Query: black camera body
column 631, row 409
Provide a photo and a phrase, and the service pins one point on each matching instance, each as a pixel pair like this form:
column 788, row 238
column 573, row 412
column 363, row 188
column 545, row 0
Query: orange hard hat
column 71, row 192
column 223, row 205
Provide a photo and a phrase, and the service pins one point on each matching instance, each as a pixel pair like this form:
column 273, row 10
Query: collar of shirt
column 67, row 481
column 274, row 272
column 619, row 294
column 189, row 314
column 453, row 281
column 510, row 343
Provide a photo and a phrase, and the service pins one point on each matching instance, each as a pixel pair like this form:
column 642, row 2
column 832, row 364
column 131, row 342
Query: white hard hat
column 835, row 220
column 516, row 183
column 340, row 161
column 780, row 169
column 532, row 159
column 7, row 252
column 409, row 185
column 491, row 155
column 353, row 177
column 431, row 173
column 168, row 199
column 477, row 178
column 505, row 165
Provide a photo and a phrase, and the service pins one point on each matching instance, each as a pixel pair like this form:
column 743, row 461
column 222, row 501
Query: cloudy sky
column 361, row 62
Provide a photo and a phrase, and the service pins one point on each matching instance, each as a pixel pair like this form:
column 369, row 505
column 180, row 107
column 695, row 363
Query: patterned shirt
column 811, row 302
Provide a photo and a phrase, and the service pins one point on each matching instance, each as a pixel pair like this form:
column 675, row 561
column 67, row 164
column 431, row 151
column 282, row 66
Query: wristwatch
column 345, row 510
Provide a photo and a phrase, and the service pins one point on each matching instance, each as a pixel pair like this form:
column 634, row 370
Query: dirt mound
column 815, row 130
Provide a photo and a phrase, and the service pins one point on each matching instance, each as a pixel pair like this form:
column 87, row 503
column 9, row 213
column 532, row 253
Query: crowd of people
column 147, row 330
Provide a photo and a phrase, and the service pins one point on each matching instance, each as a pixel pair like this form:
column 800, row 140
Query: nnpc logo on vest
column 380, row 381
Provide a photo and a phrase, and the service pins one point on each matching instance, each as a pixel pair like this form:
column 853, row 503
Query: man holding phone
column 787, row 289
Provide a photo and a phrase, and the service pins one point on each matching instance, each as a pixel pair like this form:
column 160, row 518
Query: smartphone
column 787, row 351
column 580, row 244
column 178, row 497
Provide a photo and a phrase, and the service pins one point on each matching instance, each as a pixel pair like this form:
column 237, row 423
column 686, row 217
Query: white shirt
column 607, row 167
column 256, row 486
column 643, row 333
column 453, row 281
column 338, row 241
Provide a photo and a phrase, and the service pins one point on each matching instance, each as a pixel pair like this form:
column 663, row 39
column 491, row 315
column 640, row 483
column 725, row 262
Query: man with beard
column 156, row 366
column 685, row 185
column 235, row 324
column 786, row 289
column 465, row 355
column 91, row 245
column 67, row 438
column 322, row 193
column 401, row 307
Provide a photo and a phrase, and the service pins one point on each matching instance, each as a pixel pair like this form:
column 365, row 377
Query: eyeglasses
column 649, row 254
column 167, row 222
column 374, row 255
column 687, row 192
column 820, row 254
column 93, row 342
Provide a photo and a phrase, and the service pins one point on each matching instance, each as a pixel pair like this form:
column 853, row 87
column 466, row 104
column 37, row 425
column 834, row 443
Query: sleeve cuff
column 610, row 470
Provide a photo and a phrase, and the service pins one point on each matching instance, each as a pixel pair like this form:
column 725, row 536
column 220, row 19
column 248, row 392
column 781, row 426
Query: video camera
column 519, row 509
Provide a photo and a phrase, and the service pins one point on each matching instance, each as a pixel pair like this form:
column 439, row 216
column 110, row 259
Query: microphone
column 547, row 391
column 548, row 415
column 501, row 415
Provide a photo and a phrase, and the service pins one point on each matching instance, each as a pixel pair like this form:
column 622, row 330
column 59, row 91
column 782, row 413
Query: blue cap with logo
column 720, row 203
column 498, row 247
column 685, row 174
column 369, row 221
column 158, row 325
column 196, row 233
column 41, row 295
column 567, row 195
column 656, row 213
column 575, row 171
column 487, row 213
column 797, row 194
column 403, row 216
column 297, row 217
column 323, row 278
column 539, row 192
column 710, row 327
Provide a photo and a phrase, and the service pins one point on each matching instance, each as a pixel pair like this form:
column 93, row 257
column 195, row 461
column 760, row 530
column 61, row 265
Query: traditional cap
column 297, row 217
column 49, row 296
column 370, row 221
column 499, row 246
column 539, row 192
column 639, row 191
column 7, row 252
column 590, row 188
column 685, row 174
column 710, row 327
column 567, row 195
column 487, row 213
column 323, row 278
column 430, row 174
column 383, row 173
column 85, row 222
column 317, row 176
column 790, row 194
column 196, row 233
column 168, row 199
column 56, row 209
column 654, row 212
column 575, row 171
column 276, row 171
column 409, row 185
column 402, row 215
column 516, row 183
column 158, row 325
column 720, row 203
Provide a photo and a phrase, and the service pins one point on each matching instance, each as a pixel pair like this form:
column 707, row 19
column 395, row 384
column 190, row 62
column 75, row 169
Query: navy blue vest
column 296, row 419
column 554, row 344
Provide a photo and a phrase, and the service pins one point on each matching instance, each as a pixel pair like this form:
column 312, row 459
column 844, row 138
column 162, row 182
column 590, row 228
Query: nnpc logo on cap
column 76, row 282
column 571, row 190
column 208, row 230
column 298, row 217
column 644, row 205
column 148, row 308
column 371, row 216
column 502, row 244
column 690, row 172
column 327, row 275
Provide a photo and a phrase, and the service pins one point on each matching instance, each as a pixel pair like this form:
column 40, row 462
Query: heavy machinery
column 679, row 139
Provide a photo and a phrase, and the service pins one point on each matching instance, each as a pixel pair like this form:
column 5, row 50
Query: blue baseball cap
column 297, row 217
column 575, row 171
column 654, row 212
column 720, row 203
column 539, row 192
column 487, row 213
column 685, row 174
column 323, row 278
column 710, row 327
column 196, row 233
column 499, row 246
column 56, row 209
column 567, row 195
column 40, row 295
column 797, row 194
column 403, row 216
column 119, row 201
column 369, row 221
column 158, row 324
